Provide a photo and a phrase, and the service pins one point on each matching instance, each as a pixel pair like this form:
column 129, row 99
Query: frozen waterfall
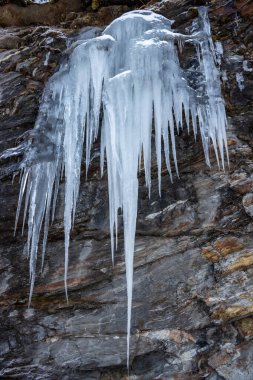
column 123, row 85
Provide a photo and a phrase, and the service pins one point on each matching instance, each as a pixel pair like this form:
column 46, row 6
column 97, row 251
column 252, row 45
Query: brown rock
column 210, row 254
column 9, row 41
column 242, row 186
column 46, row 14
column 222, row 247
column 244, row 7
column 246, row 327
column 243, row 262
column 228, row 245
column 102, row 17
column 233, row 312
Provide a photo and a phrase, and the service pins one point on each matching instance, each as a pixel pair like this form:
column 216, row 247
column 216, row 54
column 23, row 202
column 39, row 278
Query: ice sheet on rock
column 128, row 81
column 246, row 67
column 219, row 51
column 240, row 80
column 40, row 1
column 76, row 97
column 47, row 58
column 224, row 76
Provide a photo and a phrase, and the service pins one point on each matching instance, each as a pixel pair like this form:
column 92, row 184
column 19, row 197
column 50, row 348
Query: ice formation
column 41, row 1
column 240, row 80
column 219, row 51
column 47, row 58
column 246, row 67
column 130, row 78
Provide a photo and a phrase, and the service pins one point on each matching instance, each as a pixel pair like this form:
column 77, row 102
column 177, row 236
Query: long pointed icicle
column 132, row 73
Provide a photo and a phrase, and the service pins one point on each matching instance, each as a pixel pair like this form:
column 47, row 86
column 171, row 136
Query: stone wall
column 193, row 300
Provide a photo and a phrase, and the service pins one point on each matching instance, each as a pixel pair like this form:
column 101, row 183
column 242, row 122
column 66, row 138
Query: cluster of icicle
column 123, row 83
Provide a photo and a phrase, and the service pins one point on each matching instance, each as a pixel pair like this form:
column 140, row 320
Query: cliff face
column 193, row 303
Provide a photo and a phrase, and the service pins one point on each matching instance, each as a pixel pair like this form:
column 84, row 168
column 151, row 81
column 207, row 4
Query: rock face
column 63, row 11
column 193, row 276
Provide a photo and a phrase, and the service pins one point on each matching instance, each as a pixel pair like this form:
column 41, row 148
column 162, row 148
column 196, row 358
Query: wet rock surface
column 193, row 276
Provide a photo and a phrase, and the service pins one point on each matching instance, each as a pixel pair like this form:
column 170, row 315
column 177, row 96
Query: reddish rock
column 242, row 186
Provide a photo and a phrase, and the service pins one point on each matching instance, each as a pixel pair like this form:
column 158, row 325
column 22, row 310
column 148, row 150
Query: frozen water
column 224, row 76
column 41, row 1
column 240, row 80
column 219, row 51
column 131, row 79
column 47, row 58
column 246, row 67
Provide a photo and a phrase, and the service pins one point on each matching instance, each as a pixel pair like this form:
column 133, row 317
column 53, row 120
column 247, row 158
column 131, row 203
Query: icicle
column 47, row 58
column 132, row 73
column 219, row 52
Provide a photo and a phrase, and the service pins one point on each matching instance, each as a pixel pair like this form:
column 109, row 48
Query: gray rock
column 247, row 202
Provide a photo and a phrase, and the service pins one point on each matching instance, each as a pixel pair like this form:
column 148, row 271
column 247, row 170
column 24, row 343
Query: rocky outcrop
column 63, row 11
column 38, row 14
column 193, row 303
